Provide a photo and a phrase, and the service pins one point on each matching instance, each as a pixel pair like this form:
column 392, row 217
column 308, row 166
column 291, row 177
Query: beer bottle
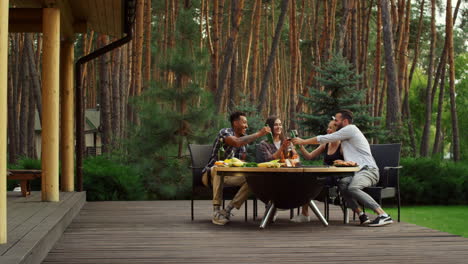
column 221, row 151
column 269, row 136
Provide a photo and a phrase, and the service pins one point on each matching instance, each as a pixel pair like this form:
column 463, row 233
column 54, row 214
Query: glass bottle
column 293, row 134
column 221, row 151
column 269, row 137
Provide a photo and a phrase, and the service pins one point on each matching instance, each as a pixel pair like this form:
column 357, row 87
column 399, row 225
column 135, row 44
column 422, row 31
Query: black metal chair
column 200, row 155
column 387, row 157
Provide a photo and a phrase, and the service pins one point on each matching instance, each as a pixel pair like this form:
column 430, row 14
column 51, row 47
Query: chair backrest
column 200, row 155
column 387, row 155
column 258, row 154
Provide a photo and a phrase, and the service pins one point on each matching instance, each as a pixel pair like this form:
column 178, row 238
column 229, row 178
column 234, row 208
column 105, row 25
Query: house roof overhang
column 77, row 16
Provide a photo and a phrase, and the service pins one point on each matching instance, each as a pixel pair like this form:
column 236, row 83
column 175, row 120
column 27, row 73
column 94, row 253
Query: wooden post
column 66, row 119
column 50, row 103
column 3, row 118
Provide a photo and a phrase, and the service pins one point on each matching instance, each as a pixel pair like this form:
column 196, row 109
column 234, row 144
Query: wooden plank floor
column 162, row 232
column 34, row 226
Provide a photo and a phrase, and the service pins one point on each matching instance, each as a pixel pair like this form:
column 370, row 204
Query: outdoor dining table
column 286, row 188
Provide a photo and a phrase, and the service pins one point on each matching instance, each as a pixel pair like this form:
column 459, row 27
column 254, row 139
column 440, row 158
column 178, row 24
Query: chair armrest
column 393, row 168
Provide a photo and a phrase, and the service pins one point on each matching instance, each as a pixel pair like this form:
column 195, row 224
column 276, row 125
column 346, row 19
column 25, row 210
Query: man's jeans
column 352, row 188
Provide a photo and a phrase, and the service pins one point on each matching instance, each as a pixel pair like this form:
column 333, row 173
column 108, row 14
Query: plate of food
column 342, row 163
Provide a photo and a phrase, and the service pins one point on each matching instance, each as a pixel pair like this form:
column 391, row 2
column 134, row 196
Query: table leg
column 269, row 213
column 24, row 188
column 317, row 213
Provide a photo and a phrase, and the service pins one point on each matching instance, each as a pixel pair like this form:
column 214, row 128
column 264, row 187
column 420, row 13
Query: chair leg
column 291, row 213
column 345, row 212
column 192, row 208
column 399, row 205
column 255, row 212
column 246, row 202
column 224, row 201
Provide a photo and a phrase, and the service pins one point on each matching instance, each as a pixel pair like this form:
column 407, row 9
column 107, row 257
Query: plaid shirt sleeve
column 266, row 151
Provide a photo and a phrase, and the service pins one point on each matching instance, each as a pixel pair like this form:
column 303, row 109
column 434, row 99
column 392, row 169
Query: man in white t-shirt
column 355, row 148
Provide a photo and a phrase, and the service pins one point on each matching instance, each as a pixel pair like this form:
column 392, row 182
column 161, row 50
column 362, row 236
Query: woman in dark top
column 332, row 152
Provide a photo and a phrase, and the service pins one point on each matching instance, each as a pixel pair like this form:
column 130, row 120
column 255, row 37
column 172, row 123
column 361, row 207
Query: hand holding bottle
column 297, row 141
column 265, row 130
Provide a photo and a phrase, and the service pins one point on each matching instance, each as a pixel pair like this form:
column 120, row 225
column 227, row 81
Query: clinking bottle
column 269, row 136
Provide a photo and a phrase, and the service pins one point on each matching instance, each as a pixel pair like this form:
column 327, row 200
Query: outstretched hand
column 265, row 130
column 297, row 141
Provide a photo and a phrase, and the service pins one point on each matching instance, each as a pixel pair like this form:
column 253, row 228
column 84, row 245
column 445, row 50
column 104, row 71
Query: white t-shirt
column 355, row 146
column 277, row 144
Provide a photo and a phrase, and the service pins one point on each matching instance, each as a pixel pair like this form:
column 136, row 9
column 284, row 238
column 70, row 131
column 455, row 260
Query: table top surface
column 288, row 170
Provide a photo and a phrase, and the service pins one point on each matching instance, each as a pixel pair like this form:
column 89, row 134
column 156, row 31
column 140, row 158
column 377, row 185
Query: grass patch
column 450, row 219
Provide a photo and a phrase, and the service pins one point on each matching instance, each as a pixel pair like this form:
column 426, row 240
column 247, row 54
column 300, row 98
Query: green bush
column 433, row 181
column 106, row 180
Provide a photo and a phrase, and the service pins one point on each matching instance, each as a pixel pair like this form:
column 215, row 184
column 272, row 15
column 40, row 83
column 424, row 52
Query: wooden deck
column 35, row 226
column 161, row 232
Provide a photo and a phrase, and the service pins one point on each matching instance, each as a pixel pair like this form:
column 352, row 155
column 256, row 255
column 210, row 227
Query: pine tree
column 339, row 81
column 172, row 114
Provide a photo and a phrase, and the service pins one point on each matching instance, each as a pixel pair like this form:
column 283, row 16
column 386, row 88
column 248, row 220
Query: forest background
column 400, row 65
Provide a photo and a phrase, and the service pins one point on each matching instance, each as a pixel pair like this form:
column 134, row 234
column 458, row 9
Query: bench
column 24, row 176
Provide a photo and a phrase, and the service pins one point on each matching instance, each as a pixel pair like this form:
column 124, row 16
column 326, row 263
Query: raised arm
column 309, row 141
column 244, row 140
column 315, row 153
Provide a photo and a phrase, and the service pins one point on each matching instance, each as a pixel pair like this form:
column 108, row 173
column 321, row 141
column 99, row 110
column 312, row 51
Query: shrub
column 106, row 180
column 433, row 181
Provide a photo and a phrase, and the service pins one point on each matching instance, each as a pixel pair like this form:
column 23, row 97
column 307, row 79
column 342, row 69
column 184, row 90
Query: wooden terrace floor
column 162, row 232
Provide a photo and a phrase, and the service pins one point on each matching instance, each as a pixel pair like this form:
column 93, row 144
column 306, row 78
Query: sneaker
column 220, row 217
column 364, row 219
column 300, row 219
column 381, row 221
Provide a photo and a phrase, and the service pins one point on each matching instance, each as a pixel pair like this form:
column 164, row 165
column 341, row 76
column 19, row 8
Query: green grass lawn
column 450, row 219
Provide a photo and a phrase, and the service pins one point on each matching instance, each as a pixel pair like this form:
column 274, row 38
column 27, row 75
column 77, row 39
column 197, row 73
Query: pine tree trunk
column 293, row 44
column 232, row 87
column 12, row 129
column 453, row 104
column 256, row 53
column 139, row 38
column 31, row 141
column 116, row 96
column 271, row 58
column 237, row 7
column 438, row 134
column 443, row 57
column 393, row 100
column 34, row 73
column 424, row 151
column 377, row 61
column 23, row 114
column 105, row 104
column 215, row 50
column 123, row 90
column 416, row 48
column 148, row 34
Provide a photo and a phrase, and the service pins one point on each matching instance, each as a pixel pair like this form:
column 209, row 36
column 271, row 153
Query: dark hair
column 271, row 123
column 235, row 116
column 346, row 114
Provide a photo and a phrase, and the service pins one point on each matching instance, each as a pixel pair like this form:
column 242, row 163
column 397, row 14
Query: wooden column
column 3, row 118
column 67, row 142
column 50, row 104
